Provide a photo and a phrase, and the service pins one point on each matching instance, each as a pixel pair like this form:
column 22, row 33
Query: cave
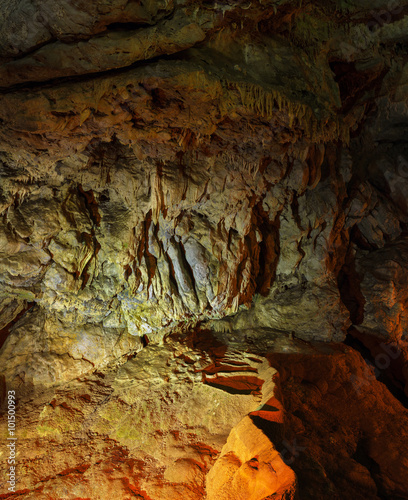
column 204, row 249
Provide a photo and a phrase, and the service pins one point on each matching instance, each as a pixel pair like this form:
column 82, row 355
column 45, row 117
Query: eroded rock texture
column 181, row 177
column 152, row 426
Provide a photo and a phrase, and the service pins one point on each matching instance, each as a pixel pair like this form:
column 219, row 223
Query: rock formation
column 203, row 247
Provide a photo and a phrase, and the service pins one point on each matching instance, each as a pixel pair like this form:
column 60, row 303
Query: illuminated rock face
column 249, row 468
column 167, row 417
column 231, row 171
column 158, row 426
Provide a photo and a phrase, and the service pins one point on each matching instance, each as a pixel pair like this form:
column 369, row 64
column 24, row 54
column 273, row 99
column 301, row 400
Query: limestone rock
column 334, row 436
column 249, row 468
column 230, row 174
column 383, row 286
column 152, row 424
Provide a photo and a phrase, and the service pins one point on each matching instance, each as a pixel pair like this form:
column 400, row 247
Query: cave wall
column 173, row 168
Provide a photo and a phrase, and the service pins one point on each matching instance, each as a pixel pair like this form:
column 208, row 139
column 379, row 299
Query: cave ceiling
column 206, row 202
